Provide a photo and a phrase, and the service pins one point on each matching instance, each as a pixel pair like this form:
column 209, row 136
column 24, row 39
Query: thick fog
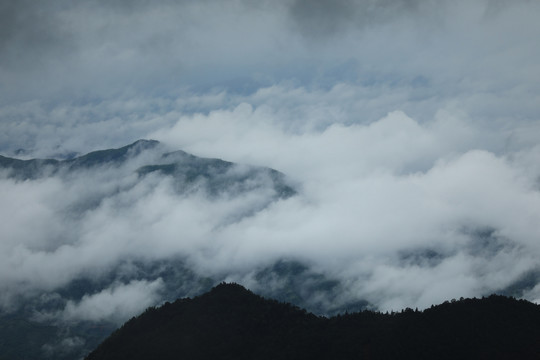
column 410, row 131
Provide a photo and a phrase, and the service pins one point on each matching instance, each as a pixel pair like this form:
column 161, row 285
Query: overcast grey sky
column 408, row 126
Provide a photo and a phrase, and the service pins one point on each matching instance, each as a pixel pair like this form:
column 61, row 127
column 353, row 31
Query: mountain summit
column 215, row 176
column 230, row 322
column 35, row 168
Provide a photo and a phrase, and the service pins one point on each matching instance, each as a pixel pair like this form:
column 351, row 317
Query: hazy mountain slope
column 35, row 168
column 23, row 339
column 111, row 156
column 215, row 175
column 219, row 176
column 230, row 322
column 28, row 169
column 81, row 187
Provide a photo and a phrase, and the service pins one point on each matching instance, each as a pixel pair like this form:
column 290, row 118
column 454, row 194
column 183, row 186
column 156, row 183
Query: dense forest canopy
column 231, row 322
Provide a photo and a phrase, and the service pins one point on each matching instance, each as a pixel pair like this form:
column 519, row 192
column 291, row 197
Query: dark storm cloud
column 34, row 42
column 96, row 50
column 325, row 18
column 30, row 31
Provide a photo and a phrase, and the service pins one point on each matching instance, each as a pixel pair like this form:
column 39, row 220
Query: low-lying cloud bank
column 376, row 196
column 116, row 303
column 403, row 213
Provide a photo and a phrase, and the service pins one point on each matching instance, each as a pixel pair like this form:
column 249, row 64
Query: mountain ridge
column 34, row 168
column 216, row 175
column 231, row 322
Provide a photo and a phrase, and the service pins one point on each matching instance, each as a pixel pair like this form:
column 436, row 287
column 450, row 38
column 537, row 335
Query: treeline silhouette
column 230, row 322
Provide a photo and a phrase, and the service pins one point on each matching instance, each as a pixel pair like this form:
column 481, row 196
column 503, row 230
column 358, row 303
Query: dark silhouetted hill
column 231, row 322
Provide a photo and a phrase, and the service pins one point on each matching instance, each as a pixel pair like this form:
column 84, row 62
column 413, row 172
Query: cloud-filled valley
column 409, row 226
column 338, row 154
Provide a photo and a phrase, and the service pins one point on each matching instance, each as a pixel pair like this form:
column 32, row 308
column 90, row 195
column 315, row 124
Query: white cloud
column 117, row 303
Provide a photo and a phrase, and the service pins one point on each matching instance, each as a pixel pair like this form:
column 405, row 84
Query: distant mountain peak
column 230, row 288
column 226, row 292
column 214, row 176
column 112, row 155
column 147, row 144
